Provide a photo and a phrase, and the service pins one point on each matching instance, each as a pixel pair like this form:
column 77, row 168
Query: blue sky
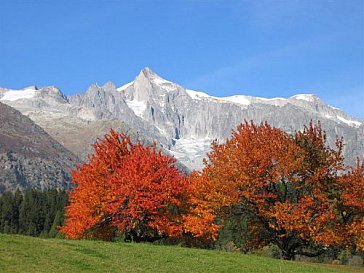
column 268, row 48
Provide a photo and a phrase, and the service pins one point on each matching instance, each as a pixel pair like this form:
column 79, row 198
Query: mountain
column 29, row 157
column 182, row 121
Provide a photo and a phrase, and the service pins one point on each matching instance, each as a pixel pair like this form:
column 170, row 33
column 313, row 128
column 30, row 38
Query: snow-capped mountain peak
column 184, row 121
column 152, row 76
column 153, row 79
column 148, row 86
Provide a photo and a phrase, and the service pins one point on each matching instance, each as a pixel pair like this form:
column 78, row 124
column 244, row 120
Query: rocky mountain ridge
column 182, row 121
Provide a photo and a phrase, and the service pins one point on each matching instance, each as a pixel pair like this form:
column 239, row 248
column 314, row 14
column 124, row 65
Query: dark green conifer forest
column 32, row 212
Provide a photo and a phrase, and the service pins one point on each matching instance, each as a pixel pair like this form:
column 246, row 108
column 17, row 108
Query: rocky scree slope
column 29, row 157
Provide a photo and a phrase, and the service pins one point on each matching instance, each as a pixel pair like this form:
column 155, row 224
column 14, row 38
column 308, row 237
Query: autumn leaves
column 295, row 191
column 126, row 188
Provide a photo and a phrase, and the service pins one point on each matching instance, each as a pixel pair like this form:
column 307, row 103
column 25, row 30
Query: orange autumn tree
column 126, row 188
column 289, row 186
column 351, row 207
column 342, row 186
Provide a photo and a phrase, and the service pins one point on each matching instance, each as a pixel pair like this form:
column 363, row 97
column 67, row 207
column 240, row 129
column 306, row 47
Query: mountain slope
column 29, row 157
column 182, row 121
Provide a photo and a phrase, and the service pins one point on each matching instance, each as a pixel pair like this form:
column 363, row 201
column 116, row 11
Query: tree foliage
column 293, row 191
column 291, row 187
column 32, row 212
column 351, row 207
column 126, row 188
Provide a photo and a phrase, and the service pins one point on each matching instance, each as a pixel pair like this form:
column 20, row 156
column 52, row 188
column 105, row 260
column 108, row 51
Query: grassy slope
column 28, row 254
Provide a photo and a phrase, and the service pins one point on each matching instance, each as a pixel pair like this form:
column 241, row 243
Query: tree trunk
column 288, row 254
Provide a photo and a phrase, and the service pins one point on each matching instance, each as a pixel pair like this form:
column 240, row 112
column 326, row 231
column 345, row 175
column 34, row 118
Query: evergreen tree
column 18, row 199
column 56, row 223
column 9, row 214
column 32, row 212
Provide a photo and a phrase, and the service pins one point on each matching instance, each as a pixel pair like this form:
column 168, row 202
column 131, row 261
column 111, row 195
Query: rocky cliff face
column 183, row 122
column 29, row 157
column 192, row 119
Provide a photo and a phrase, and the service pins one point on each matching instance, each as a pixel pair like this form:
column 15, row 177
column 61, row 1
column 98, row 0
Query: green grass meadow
column 29, row 254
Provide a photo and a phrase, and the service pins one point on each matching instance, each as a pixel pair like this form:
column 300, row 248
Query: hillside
column 29, row 157
column 52, row 255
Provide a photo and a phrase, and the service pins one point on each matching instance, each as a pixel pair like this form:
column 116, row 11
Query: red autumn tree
column 126, row 188
column 88, row 199
column 289, row 186
column 149, row 195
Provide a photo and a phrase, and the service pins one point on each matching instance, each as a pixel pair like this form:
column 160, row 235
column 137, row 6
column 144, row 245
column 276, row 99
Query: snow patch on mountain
column 237, row 99
column 335, row 108
column 122, row 88
column 350, row 122
column 160, row 81
column 191, row 146
column 191, row 151
column 353, row 123
column 13, row 95
column 272, row 101
column 138, row 107
column 165, row 85
column 305, row 97
column 197, row 95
